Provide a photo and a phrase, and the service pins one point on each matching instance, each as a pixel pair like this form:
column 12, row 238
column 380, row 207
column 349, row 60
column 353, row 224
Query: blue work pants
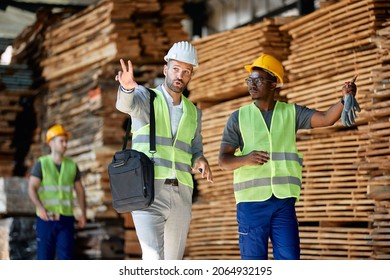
column 273, row 219
column 55, row 239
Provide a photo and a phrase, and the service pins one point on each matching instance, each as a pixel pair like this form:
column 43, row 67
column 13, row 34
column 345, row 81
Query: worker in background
column 259, row 144
column 163, row 227
column 53, row 179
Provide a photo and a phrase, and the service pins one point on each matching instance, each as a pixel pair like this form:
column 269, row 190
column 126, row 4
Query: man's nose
column 180, row 74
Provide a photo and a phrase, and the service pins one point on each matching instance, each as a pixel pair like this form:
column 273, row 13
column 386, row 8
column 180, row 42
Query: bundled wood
column 332, row 243
column 329, row 47
column 14, row 199
column 213, row 232
column 214, row 119
column 381, row 233
column 15, row 86
column 5, row 228
column 100, row 240
column 132, row 247
column 222, row 57
column 333, row 188
column 377, row 152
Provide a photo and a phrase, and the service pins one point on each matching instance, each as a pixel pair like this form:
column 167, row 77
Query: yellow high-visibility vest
column 171, row 153
column 56, row 190
column 282, row 174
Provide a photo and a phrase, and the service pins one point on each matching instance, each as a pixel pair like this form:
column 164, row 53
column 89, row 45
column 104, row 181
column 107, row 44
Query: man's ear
column 165, row 69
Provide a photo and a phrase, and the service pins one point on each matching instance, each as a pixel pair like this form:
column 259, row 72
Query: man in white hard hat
column 53, row 179
column 259, row 144
column 162, row 228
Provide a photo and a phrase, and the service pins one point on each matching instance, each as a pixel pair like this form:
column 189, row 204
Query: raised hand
column 126, row 76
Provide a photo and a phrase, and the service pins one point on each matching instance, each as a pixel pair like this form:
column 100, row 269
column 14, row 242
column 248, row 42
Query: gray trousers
column 163, row 227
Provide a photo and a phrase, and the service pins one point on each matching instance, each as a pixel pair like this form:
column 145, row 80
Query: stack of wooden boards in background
column 15, row 90
column 220, row 75
column 343, row 212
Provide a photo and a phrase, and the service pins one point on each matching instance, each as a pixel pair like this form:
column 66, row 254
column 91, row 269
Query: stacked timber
column 213, row 233
column 222, row 56
column 132, row 247
column 341, row 165
column 5, row 225
column 377, row 151
column 15, row 90
column 335, row 243
column 14, row 199
column 329, row 47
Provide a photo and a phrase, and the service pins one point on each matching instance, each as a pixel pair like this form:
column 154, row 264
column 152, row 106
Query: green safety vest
column 282, row 174
column 171, row 153
column 56, row 190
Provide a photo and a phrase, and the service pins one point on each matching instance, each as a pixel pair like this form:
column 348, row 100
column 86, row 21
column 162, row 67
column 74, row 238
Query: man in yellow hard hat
column 259, row 144
column 52, row 181
column 162, row 228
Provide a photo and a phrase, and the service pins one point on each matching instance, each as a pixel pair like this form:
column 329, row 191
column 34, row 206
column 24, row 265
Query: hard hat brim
column 67, row 134
column 249, row 69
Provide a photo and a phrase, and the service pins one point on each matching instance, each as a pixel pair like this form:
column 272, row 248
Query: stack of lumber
column 132, row 247
column 222, row 57
column 341, row 165
column 213, row 233
column 380, row 235
column 333, row 188
column 336, row 242
column 329, row 47
column 28, row 51
column 14, row 199
column 377, row 151
column 15, row 84
column 100, row 239
column 5, row 225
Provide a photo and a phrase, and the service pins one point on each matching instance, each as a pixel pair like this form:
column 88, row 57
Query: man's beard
column 176, row 89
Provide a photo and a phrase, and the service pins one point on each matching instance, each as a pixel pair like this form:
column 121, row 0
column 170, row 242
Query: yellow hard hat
column 270, row 64
column 55, row 131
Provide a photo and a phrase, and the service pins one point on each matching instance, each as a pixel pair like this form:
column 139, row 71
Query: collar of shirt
column 169, row 99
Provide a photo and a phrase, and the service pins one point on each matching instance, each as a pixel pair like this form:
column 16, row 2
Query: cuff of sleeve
column 126, row 90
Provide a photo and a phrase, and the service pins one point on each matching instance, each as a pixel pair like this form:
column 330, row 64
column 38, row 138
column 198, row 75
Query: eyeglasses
column 257, row 81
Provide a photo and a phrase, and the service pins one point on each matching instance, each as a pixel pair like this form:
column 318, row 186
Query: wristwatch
column 126, row 90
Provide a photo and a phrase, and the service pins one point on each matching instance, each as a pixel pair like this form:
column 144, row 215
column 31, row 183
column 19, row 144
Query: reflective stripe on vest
column 171, row 153
column 282, row 174
column 56, row 190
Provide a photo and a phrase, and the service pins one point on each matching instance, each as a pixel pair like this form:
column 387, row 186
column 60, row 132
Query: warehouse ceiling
column 15, row 15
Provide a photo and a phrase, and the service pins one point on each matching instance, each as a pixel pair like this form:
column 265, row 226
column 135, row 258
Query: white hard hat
column 184, row 52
